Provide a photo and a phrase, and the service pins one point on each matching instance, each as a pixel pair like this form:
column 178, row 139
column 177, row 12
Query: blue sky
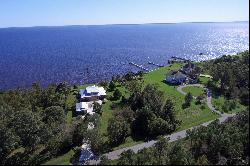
column 22, row 13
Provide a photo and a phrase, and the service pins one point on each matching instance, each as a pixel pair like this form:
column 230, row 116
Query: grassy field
column 61, row 160
column 204, row 80
column 106, row 115
column 194, row 90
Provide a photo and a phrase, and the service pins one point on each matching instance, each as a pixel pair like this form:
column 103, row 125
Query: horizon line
column 40, row 26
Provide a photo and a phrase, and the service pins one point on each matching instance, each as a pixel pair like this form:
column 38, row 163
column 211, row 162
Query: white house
column 84, row 107
column 88, row 96
column 93, row 93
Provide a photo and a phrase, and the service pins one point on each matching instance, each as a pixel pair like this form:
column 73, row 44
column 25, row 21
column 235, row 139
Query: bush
column 229, row 105
column 185, row 105
column 244, row 97
column 111, row 86
column 188, row 100
column 104, row 84
column 117, row 94
column 123, row 100
column 97, row 108
column 199, row 99
column 118, row 129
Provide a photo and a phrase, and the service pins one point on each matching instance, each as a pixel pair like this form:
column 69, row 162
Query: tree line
column 230, row 76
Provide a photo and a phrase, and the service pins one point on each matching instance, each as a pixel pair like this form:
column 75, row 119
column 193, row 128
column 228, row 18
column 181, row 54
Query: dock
column 152, row 63
column 139, row 66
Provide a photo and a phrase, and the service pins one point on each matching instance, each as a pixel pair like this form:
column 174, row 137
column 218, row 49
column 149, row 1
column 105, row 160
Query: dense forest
column 32, row 124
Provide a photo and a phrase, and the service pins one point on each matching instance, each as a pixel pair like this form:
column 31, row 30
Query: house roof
column 81, row 106
column 92, row 90
column 176, row 74
column 102, row 91
column 172, row 72
column 88, row 106
column 180, row 75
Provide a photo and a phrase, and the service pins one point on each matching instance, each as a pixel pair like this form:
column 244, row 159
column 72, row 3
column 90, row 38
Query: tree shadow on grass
column 120, row 104
column 169, row 84
column 118, row 85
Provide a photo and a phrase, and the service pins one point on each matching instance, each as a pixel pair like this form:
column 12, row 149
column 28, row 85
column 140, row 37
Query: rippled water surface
column 54, row 54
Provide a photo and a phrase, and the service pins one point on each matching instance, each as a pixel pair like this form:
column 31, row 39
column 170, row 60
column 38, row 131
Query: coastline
column 96, row 82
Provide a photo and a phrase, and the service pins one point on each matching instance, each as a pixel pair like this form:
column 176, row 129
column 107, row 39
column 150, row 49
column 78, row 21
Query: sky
column 25, row 13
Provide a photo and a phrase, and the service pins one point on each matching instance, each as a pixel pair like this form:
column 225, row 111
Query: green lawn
column 219, row 101
column 106, row 115
column 191, row 116
column 69, row 117
column 61, row 160
column 194, row 90
column 128, row 142
column 204, row 80
column 108, row 111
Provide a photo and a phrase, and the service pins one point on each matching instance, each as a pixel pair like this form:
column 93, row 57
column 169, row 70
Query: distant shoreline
column 87, row 25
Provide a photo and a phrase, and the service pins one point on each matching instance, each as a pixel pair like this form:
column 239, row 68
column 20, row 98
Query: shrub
column 117, row 94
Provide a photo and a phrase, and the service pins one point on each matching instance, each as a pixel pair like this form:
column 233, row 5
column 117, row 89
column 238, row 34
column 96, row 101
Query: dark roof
column 176, row 74
column 189, row 65
column 180, row 75
column 172, row 72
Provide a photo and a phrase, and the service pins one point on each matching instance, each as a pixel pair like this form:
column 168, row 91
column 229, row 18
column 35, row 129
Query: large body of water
column 54, row 54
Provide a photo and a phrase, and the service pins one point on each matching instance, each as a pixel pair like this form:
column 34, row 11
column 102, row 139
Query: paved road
column 173, row 137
